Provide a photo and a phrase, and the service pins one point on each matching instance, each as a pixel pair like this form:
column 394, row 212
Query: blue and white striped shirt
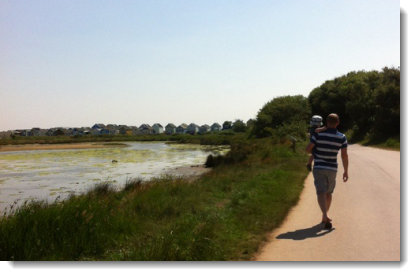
column 326, row 147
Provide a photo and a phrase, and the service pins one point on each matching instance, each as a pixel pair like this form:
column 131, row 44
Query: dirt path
column 365, row 213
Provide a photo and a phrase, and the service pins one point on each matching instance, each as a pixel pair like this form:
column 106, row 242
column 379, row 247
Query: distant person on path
column 315, row 126
column 326, row 145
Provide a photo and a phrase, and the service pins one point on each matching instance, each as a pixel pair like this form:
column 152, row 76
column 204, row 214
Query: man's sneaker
column 308, row 167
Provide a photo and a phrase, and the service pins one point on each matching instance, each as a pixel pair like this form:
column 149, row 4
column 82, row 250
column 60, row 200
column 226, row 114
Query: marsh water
column 49, row 174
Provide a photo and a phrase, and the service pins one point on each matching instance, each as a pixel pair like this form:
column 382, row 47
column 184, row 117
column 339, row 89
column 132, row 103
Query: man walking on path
column 325, row 146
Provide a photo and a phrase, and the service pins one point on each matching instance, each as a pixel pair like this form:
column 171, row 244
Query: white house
column 170, row 129
column 182, row 129
column 204, row 128
column 145, row 129
column 100, row 126
column 37, row 132
column 96, row 131
column 77, row 131
column 125, row 130
column 158, row 129
column 193, row 129
column 215, row 127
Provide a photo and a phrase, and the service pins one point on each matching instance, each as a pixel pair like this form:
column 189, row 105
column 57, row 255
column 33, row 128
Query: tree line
column 367, row 102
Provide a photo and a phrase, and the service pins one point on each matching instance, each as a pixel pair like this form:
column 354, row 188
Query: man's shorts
column 324, row 181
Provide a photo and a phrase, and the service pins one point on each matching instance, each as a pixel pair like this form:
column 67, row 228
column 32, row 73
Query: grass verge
column 224, row 215
column 389, row 143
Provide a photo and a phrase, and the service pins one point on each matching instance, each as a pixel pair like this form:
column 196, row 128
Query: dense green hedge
column 368, row 104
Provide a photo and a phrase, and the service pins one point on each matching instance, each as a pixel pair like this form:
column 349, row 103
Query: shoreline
column 26, row 147
column 191, row 172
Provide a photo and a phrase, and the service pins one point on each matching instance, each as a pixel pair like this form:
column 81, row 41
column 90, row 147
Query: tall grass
column 224, row 215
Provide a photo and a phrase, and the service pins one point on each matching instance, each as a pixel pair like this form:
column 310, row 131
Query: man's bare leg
column 328, row 201
column 328, row 204
column 322, row 202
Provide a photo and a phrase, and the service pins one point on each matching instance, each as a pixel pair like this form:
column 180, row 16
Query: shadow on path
column 302, row 234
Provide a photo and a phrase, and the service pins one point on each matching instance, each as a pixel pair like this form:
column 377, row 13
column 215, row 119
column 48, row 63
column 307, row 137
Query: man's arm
column 320, row 129
column 345, row 160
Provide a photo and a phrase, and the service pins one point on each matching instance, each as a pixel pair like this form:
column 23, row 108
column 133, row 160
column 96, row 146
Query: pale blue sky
column 76, row 63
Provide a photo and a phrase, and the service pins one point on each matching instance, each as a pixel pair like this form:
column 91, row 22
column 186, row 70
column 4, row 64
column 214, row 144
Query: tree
column 366, row 102
column 360, row 106
column 387, row 104
column 283, row 113
column 227, row 125
column 332, row 97
column 239, row 126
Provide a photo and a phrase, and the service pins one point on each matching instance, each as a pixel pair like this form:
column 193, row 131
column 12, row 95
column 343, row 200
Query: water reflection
column 51, row 173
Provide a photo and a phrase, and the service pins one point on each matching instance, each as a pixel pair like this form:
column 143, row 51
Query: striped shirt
column 326, row 147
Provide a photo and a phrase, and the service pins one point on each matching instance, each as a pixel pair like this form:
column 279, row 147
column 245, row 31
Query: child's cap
column 316, row 120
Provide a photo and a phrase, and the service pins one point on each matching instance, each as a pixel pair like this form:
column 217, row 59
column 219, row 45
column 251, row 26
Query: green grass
column 389, row 143
column 224, row 215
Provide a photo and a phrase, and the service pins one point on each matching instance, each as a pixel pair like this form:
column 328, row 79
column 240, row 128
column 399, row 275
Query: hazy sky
column 76, row 63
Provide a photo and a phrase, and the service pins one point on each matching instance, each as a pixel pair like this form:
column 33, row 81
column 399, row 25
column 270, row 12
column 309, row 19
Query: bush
column 213, row 161
column 281, row 114
column 296, row 129
column 238, row 153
